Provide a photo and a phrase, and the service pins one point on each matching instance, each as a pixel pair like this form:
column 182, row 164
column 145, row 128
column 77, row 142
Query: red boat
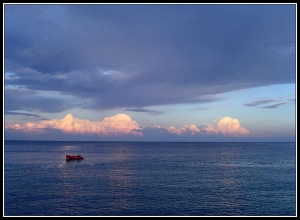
column 77, row 157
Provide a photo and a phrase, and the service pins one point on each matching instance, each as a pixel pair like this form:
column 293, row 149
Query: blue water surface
column 149, row 179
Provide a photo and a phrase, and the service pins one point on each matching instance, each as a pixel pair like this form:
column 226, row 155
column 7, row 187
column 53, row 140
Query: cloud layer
column 122, row 124
column 226, row 126
column 116, row 125
column 137, row 56
column 265, row 103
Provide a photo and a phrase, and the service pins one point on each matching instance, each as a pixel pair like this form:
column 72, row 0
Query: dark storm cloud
column 275, row 105
column 24, row 114
column 143, row 110
column 28, row 100
column 142, row 55
column 262, row 103
column 138, row 110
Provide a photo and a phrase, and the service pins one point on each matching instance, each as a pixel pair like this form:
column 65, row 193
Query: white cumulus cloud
column 122, row 124
column 115, row 125
column 226, row 126
column 192, row 129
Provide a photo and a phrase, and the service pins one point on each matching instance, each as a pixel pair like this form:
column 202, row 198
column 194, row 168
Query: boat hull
column 72, row 157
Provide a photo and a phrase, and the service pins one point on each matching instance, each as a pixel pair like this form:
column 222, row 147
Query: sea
column 149, row 179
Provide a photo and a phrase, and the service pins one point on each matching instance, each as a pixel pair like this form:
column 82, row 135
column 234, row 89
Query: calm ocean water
column 149, row 179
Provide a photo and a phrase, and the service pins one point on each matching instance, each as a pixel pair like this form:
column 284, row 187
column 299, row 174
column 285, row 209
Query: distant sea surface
column 149, row 179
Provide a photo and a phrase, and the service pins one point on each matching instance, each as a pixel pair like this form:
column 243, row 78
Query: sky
column 149, row 72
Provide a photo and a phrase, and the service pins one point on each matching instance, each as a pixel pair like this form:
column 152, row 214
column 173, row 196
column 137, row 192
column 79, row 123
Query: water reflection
column 229, row 182
column 73, row 161
column 103, row 180
column 69, row 147
column 120, row 176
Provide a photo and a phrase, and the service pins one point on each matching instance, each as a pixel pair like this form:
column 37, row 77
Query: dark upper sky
column 135, row 56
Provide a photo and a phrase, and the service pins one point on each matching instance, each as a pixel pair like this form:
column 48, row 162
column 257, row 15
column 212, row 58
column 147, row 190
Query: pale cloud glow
column 122, row 124
column 227, row 126
column 173, row 130
column 192, row 129
column 115, row 125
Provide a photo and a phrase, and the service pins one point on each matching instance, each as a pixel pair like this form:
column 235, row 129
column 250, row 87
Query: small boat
column 73, row 157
